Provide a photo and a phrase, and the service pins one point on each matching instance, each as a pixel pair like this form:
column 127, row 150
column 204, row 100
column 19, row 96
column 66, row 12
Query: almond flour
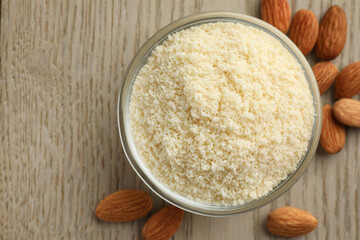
column 221, row 113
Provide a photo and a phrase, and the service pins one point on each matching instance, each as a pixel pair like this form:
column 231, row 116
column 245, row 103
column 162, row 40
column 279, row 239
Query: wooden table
column 61, row 69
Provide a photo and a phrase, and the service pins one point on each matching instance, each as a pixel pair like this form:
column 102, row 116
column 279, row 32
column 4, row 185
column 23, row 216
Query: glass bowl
column 123, row 115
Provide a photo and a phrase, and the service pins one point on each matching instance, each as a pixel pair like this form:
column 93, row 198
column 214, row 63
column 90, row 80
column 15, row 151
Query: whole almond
column 290, row 222
column 347, row 112
column 304, row 30
column 163, row 224
column 277, row 13
column 325, row 74
column 124, row 206
column 332, row 34
column 347, row 83
column 333, row 136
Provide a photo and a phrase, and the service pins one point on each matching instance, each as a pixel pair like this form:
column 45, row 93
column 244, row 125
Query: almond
column 332, row 137
column 332, row 34
column 163, row 224
column 325, row 74
column 347, row 83
column 347, row 112
column 277, row 13
column 290, row 222
column 304, row 30
column 124, row 206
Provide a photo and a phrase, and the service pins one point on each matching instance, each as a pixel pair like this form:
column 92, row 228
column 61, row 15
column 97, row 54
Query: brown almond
column 277, row 13
column 163, row 224
column 304, row 30
column 325, row 74
column 347, row 83
column 290, row 222
column 332, row 34
column 347, row 112
column 333, row 136
column 124, row 206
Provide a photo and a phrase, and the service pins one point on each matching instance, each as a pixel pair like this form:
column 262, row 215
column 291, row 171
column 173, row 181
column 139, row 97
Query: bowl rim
column 183, row 202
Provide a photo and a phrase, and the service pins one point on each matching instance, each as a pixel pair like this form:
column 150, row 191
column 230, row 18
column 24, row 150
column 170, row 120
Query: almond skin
column 325, row 74
column 163, row 224
column 347, row 112
column 347, row 83
column 290, row 222
column 332, row 34
column 304, row 30
column 124, row 206
column 277, row 13
column 333, row 136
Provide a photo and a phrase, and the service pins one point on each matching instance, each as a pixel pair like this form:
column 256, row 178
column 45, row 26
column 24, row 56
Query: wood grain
column 61, row 69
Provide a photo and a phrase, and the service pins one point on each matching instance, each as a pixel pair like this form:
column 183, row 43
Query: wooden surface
column 61, row 69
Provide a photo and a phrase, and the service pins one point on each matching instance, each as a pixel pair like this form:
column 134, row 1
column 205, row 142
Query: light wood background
column 61, row 69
